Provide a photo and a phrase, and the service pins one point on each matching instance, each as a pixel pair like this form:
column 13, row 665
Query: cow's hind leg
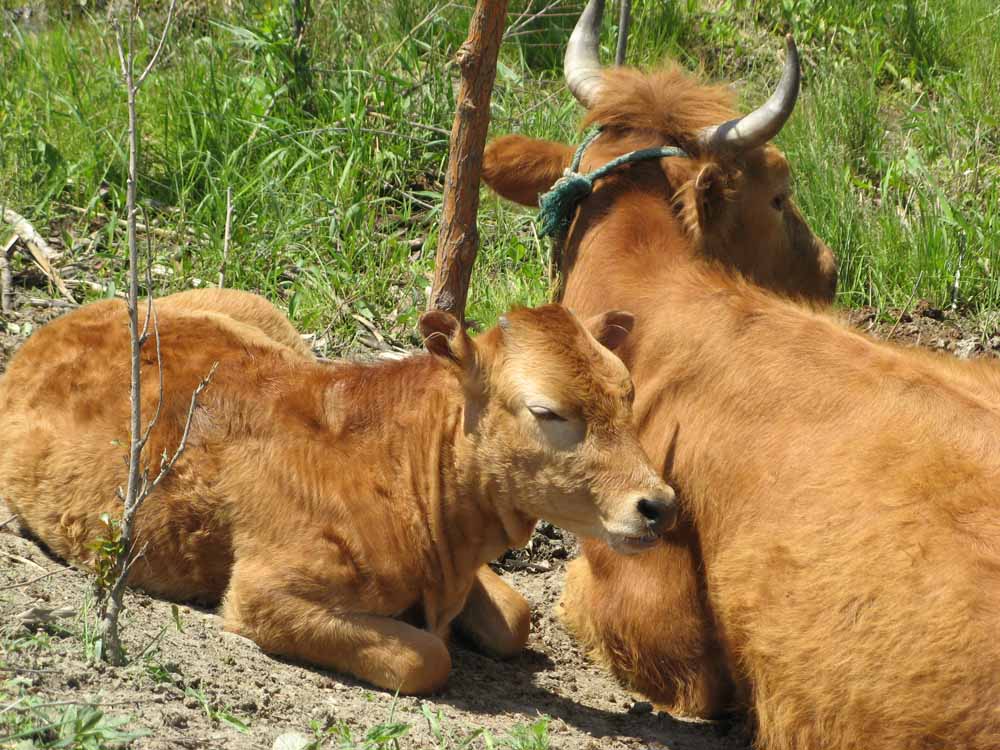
column 385, row 652
column 496, row 618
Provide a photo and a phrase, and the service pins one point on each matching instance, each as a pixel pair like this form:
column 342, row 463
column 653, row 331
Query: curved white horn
column 582, row 63
column 761, row 125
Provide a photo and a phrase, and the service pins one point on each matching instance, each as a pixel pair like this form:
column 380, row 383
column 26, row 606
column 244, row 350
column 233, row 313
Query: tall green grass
column 895, row 145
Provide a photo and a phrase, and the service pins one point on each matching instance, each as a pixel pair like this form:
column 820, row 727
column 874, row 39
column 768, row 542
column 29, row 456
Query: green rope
column 556, row 207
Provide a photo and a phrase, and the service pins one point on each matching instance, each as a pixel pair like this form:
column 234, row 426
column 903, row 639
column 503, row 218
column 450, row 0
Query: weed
column 390, row 734
column 27, row 721
column 215, row 714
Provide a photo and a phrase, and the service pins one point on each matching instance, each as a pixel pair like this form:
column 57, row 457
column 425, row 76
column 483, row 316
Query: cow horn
column 761, row 125
column 582, row 64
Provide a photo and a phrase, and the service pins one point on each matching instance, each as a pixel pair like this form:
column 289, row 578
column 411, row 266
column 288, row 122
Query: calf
column 342, row 513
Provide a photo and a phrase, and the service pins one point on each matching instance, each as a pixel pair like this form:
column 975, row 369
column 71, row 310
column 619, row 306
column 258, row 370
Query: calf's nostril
column 654, row 511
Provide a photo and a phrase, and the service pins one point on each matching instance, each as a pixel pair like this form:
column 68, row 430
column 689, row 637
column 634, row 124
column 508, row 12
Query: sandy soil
column 552, row 677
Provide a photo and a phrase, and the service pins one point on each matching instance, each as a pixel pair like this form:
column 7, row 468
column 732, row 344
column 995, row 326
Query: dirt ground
column 193, row 684
column 272, row 697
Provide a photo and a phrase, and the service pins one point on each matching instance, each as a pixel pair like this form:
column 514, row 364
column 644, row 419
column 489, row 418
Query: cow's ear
column 611, row 328
column 520, row 169
column 445, row 338
column 704, row 196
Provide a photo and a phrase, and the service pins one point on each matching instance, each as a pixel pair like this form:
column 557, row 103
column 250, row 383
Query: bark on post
column 458, row 240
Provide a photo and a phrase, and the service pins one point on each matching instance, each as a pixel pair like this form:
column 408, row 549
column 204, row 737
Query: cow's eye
column 545, row 414
column 778, row 201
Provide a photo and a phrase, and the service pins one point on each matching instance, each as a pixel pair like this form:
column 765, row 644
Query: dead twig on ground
column 23, row 560
column 8, row 522
column 906, row 308
column 35, row 580
column 38, row 250
column 61, row 303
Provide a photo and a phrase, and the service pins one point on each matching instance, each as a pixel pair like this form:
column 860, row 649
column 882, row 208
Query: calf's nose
column 660, row 513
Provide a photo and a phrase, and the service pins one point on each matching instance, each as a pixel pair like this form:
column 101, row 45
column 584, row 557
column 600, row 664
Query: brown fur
column 341, row 513
column 736, row 209
column 844, row 522
column 639, row 221
column 837, row 568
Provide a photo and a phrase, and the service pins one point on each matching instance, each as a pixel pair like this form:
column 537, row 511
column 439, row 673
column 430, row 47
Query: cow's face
column 549, row 410
column 737, row 210
column 741, row 211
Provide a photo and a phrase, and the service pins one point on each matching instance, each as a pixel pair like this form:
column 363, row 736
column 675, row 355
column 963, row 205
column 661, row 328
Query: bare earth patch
column 193, row 685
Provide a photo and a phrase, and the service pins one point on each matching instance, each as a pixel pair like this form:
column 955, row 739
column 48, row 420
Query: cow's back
column 855, row 572
column 64, row 417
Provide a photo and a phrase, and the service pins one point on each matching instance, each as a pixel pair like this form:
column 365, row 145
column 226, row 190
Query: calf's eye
column 545, row 414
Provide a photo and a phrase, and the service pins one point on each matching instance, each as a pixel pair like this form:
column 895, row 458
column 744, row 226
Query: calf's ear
column 520, row 169
column 445, row 338
column 611, row 328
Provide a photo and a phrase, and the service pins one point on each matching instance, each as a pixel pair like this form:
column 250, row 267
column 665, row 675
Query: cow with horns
column 837, row 567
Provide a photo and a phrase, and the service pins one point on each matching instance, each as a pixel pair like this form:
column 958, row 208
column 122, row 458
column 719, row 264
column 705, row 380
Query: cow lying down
column 837, row 567
column 342, row 513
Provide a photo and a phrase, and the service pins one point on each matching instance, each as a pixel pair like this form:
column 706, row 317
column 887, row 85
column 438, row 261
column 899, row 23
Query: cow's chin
column 625, row 544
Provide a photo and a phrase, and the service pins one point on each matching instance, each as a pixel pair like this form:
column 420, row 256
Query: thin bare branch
column 121, row 51
column 135, row 558
column 434, row 12
column 22, row 560
column 34, row 580
column 149, row 281
column 9, row 521
column 913, row 293
column 159, row 367
column 169, row 464
column 526, row 17
column 159, row 47
column 226, row 237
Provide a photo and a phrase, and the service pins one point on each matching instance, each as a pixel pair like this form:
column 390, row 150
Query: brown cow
column 343, row 513
column 838, row 567
column 725, row 202
column 844, row 534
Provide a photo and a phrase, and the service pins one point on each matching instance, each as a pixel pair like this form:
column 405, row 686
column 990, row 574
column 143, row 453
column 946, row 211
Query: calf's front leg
column 286, row 619
column 495, row 617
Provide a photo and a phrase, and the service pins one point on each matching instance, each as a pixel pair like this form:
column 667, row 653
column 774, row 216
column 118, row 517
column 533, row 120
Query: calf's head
column 728, row 199
column 548, row 409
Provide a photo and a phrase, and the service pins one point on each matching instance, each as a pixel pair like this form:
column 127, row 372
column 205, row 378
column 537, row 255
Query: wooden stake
column 458, row 240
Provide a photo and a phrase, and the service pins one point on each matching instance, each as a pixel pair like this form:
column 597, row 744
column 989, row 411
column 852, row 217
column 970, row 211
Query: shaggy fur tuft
column 669, row 102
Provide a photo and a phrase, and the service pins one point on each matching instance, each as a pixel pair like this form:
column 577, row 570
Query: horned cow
column 343, row 513
column 837, row 565
column 727, row 201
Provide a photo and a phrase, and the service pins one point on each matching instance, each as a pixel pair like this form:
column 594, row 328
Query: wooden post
column 624, row 20
column 458, row 240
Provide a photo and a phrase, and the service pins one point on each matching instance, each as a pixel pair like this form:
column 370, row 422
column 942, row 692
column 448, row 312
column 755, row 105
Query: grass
column 32, row 723
column 895, row 145
column 29, row 721
column 392, row 735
